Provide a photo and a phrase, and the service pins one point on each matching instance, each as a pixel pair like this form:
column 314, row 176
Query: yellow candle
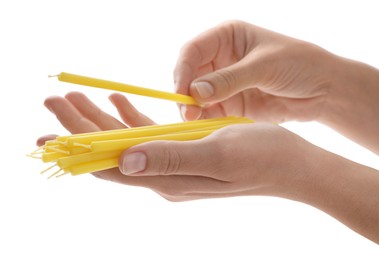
column 52, row 156
column 231, row 119
column 96, row 151
column 69, row 161
column 152, row 131
column 105, row 84
column 93, row 166
column 122, row 144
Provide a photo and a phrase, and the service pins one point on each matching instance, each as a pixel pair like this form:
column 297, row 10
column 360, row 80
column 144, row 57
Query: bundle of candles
column 90, row 152
column 96, row 151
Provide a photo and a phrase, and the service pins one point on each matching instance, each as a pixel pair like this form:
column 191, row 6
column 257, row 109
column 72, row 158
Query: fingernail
column 48, row 107
column 176, row 85
column 183, row 110
column 204, row 89
column 111, row 99
column 133, row 163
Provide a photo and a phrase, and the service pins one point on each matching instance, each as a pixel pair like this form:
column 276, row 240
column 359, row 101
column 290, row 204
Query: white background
column 138, row 42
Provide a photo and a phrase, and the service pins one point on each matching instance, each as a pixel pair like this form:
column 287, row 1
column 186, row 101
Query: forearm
column 352, row 107
column 343, row 189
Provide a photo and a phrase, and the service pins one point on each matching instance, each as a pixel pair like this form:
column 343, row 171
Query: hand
column 240, row 69
column 230, row 162
column 236, row 160
column 257, row 159
column 268, row 77
column 78, row 115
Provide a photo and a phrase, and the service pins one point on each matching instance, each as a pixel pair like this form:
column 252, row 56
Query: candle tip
column 55, row 174
column 52, row 76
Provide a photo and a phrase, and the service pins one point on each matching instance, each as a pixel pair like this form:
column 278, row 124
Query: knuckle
column 191, row 51
column 226, row 79
column 134, row 117
column 169, row 161
column 96, row 113
column 232, row 22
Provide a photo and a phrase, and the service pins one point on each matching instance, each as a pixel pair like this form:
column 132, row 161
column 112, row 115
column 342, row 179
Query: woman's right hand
column 240, row 69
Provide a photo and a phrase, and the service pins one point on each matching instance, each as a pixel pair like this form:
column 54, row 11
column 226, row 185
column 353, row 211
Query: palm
column 78, row 115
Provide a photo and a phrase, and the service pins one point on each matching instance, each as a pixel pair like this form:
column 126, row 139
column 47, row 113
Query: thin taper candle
column 111, row 85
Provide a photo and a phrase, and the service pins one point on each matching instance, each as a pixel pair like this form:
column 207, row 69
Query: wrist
column 341, row 188
column 352, row 105
column 294, row 173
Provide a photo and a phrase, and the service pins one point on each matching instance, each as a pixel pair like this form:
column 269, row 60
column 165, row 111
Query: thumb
column 222, row 84
column 169, row 158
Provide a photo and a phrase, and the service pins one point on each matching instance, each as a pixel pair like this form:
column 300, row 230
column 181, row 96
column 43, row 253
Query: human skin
column 274, row 78
column 270, row 78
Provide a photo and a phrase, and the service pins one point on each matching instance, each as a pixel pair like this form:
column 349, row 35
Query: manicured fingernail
column 133, row 163
column 204, row 89
column 183, row 110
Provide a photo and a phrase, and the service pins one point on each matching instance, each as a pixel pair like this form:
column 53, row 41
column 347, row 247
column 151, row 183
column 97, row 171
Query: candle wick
column 33, row 156
column 62, row 174
column 57, row 150
column 48, row 168
column 55, row 173
column 52, row 76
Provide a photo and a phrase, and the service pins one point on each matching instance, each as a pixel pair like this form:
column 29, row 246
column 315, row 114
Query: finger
column 202, row 157
column 193, row 56
column 173, row 186
column 69, row 116
column 128, row 113
column 223, row 83
column 189, row 112
column 233, row 106
column 217, row 87
column 43, row 139
column 176, row 188
column 217, row 47
column 92, row 112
